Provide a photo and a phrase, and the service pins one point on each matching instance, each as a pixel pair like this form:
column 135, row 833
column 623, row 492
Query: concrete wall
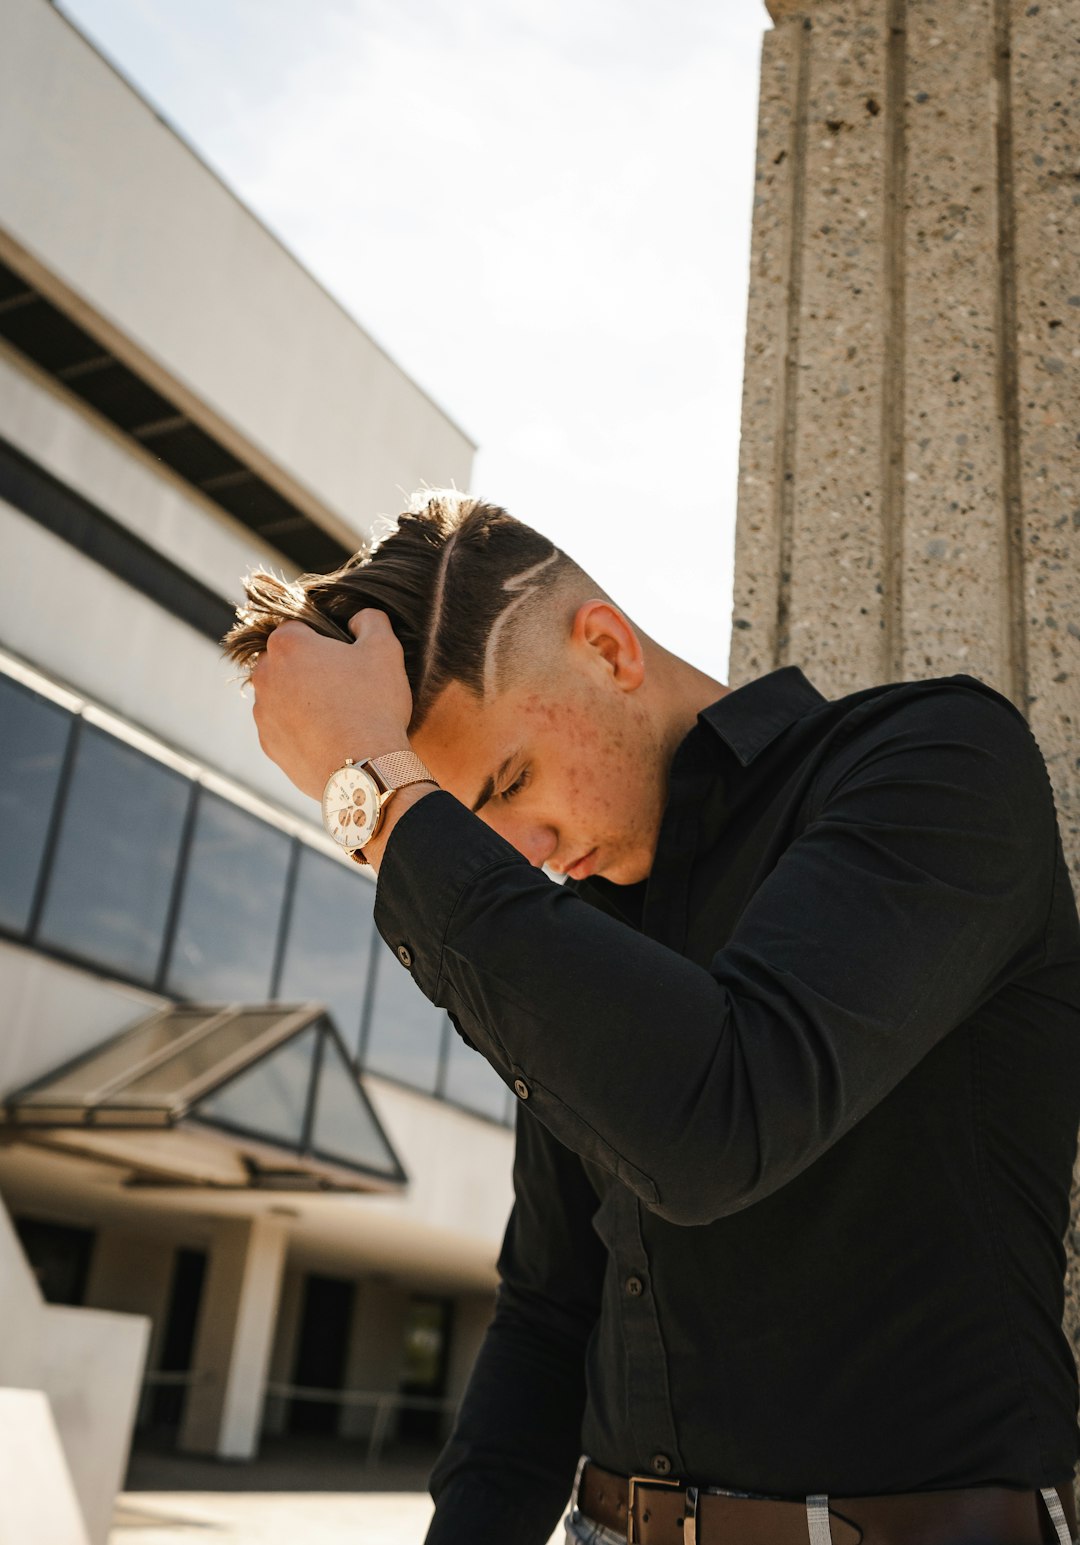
column 908, row 499
column 85, row 452
column 196, row 294
column 89, row 1365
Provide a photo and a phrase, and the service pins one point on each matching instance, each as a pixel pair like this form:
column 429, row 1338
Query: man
column 796, row 1047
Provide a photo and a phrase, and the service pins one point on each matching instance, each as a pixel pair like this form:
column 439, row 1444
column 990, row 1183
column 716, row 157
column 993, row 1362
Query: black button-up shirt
column 797, row 1114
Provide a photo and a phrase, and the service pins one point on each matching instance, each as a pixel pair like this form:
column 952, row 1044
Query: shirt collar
column 750, row 717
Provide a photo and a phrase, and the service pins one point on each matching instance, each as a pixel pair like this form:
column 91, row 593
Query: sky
column 541, row 210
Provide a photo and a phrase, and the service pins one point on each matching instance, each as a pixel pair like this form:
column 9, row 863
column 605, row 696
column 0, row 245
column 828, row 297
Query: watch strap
column 397, row 769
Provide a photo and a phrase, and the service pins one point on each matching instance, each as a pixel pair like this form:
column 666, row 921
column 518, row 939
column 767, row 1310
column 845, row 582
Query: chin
column 629, row 872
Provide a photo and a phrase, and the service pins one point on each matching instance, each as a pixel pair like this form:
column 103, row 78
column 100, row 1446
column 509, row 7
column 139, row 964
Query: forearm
column 403, row 800
column 507, row 1470
column 911, row 892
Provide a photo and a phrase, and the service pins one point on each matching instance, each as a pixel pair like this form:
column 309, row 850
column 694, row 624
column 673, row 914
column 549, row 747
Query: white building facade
column 293, row 1174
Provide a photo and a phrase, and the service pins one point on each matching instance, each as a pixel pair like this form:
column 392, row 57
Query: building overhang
column 227, row 1096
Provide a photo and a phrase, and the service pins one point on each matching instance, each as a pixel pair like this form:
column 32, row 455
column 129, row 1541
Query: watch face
column 350, row 807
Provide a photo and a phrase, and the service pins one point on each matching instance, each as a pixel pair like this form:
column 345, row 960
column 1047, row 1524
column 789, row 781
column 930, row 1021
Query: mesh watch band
column 395, row 770
column 398, row 769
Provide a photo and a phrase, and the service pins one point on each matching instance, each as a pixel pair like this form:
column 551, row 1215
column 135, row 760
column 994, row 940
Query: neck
column 679, row 692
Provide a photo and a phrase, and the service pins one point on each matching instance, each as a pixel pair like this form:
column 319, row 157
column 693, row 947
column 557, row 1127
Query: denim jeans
column 582, row 1531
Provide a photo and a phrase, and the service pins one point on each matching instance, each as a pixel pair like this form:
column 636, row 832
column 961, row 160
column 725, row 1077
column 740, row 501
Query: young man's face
column 570, row 773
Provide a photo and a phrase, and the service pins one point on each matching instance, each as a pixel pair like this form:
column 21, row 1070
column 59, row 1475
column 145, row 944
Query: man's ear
column 600, row 626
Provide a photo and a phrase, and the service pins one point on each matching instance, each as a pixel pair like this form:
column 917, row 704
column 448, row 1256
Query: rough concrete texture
column 909, row 499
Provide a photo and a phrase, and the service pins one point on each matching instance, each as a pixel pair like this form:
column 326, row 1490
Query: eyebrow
column 490, row 784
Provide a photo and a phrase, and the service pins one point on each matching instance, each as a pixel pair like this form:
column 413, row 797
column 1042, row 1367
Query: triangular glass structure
column 271, row 1083
column 343, row 1126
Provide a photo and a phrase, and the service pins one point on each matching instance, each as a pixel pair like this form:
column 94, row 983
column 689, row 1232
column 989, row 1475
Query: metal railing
column 386, row 1404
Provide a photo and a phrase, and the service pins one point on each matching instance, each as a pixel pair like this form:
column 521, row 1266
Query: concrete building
column 909, row 501
column 241, row 1155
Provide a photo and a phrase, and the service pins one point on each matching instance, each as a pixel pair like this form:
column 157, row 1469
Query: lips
column 583, row 866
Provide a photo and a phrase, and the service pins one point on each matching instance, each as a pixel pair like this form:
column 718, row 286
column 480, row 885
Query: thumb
column 360, row 621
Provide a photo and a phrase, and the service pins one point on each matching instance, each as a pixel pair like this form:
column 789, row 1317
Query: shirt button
column 404, row 954
column 661, row 1464
column 635, row 1287
column 521, row 1089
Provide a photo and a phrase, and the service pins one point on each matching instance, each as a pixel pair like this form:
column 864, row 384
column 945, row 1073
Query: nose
column 533, row 839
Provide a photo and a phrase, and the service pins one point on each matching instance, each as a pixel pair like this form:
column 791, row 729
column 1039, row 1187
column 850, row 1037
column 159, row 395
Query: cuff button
column 404, row 954
column 521, row 1089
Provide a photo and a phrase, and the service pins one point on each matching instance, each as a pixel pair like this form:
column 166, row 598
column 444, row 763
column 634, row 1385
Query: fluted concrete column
column 909, row 501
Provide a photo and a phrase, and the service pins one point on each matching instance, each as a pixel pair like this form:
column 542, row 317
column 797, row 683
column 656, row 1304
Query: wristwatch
column 356, row 795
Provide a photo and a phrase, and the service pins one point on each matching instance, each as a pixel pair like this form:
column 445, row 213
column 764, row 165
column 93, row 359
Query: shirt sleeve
column 920, row 879
column 508, row 1468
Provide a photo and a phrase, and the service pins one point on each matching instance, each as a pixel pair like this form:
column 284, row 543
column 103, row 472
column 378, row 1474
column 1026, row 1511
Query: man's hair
column 460, row 581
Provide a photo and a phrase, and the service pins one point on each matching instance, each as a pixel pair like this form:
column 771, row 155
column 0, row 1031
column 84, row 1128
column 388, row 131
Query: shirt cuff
column 435, row 851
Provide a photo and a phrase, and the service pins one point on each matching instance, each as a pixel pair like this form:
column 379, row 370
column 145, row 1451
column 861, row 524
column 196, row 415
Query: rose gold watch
column 356, row 795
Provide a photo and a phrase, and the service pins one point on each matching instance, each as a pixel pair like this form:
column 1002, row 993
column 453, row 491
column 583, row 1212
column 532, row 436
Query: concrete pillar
column 472, row 1316
column 376, row 1348
column 133, row 1274
column 223, row 1411
column 909, row 499
column 283, row 1355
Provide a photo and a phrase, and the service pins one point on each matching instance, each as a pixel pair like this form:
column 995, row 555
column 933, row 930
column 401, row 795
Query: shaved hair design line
column 525, row 585
column 451, row 575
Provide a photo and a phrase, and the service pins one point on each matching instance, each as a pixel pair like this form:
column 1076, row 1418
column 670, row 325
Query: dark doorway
column 59, row 1257
column 426, row 1354
column 178, row 1338
column 320, row 1352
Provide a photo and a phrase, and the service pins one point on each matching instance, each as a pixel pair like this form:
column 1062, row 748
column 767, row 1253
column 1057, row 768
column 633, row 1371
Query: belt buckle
column 642, row 1482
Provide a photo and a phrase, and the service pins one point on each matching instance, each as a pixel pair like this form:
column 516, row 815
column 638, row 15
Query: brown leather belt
column 654, row 1512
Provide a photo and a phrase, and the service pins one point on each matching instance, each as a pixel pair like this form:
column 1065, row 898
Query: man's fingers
column 286, row 632
column 367, row 621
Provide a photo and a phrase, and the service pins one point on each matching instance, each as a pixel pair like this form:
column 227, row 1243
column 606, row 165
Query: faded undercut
column 462, row 582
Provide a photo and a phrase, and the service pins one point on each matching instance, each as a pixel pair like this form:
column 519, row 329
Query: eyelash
column 518, row 784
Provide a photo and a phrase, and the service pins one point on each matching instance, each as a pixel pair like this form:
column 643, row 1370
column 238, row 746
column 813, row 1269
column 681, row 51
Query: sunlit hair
column 451, row 575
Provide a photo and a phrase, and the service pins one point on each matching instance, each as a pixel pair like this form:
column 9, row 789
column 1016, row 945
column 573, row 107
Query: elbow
column 691, row 1197
column 696, row 1207
column 703, row 1189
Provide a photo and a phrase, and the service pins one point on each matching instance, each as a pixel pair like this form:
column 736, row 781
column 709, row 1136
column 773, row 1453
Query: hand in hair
column 318, row 700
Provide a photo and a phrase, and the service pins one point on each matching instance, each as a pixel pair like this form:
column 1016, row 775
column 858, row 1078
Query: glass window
column 167, row 1079
column 269, row 1099
column 100, row 1069
column 328, row 944
column 405, row 1032
column 233, row 892
column 33, row 735
column 344, row 1127
column 115, row 862
column 472, row 1081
